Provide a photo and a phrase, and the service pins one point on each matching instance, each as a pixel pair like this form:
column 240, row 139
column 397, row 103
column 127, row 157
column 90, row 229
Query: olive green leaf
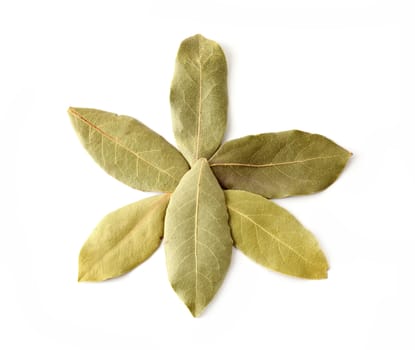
column 123, row 239
column 277, row 165
column 201, row 221
column 271, row 236
column 198, row 243
column 128, row 150
column 199, row 97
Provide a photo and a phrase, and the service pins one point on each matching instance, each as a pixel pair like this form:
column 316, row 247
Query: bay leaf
column 198, row 243
column 278, row 165
column 128, row 150
column 199, row 97
column 271, row 236
column 123, row 239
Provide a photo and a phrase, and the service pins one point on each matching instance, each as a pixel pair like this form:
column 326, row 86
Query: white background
column 342, row 68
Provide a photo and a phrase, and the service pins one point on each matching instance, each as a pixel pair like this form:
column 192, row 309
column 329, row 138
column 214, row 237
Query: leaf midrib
column 199, row 117
column 266, row 165
column 196, row 229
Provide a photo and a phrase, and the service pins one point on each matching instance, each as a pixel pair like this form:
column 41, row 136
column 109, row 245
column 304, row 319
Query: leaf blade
column 128, row 150
column 123, row 239
column 199, row 97
column 278, row 165
column 272, row 237
column 198, row 243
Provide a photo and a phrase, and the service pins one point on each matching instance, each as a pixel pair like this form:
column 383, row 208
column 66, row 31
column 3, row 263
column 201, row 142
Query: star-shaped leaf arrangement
column 215, row 196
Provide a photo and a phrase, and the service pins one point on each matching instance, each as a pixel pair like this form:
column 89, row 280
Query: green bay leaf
column 271, row 236
column 123, row 239
column 199, row 97
column 278, row 165
column 198, row 243
column 128, row 150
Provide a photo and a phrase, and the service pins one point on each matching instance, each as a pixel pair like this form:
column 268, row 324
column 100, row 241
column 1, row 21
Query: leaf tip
column 195, row 311
column 323, row 273
column 71, row 110
column 82, row 276
column 199, row 36
column 85, row 277
column 195, row 307
column 194, row 314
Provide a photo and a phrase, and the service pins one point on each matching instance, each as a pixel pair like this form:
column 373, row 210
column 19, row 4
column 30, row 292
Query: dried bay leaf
column 199, row 220
column 277, row 165
column 199, row 97
column 271, row 236
column 128, row 150
column 123, row 239
column 198, row 243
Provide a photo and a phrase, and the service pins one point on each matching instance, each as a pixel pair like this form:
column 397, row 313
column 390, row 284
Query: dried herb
column 199, row 220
